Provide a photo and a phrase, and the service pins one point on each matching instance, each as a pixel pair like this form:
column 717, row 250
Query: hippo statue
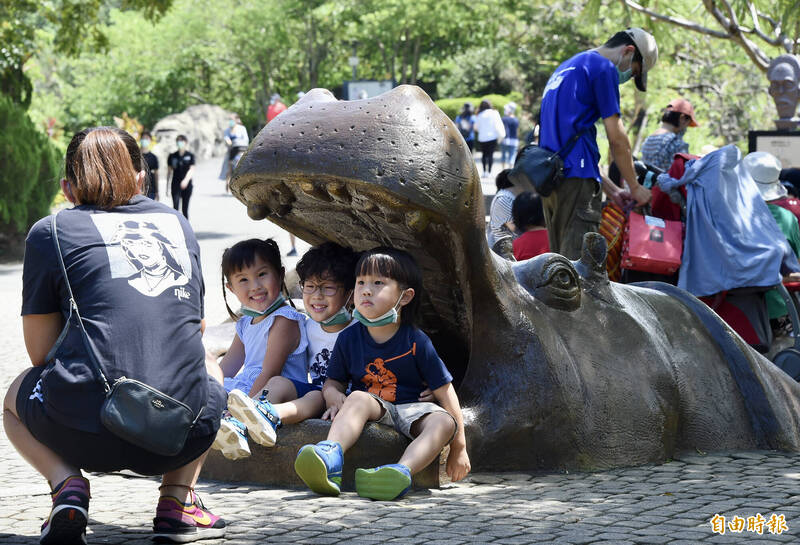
column 557, row 367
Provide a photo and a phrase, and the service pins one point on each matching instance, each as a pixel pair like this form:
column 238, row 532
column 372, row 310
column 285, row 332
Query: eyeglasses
column 326, row 289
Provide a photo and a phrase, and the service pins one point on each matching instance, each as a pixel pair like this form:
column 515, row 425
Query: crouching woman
column 133, row 266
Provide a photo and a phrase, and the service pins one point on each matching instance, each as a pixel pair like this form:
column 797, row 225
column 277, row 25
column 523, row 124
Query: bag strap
column 73, row 307
column 571, row 143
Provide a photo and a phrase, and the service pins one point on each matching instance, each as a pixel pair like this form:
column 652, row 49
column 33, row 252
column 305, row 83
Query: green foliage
column 479, row 70
column 29, row 177
column 74, row 26
column 452, row 106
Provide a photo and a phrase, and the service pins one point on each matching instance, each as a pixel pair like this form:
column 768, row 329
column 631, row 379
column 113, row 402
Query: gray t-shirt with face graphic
column 135, row 273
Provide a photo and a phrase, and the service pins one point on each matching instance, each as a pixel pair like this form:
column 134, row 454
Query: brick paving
column 672, row 503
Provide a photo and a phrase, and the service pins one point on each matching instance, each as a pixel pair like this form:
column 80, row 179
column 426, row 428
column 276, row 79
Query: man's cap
column 685, row 107
column 648, row 49
column 765, row 169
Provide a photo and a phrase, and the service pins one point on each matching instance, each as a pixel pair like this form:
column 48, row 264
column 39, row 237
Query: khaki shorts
column 401, row 417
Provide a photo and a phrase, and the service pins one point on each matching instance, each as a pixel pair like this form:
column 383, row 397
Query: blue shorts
column 303, row 388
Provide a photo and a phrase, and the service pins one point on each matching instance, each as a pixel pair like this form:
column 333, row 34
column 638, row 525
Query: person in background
column 660, row 147
column 508, row 150
column 146, row 143
column 180, row 169
column 276, row 106
column 237, row 140
column 528, row 217
column 583, row 90
column 765, row 170
column 465, row 121
column 490, row 129
column 501, row 224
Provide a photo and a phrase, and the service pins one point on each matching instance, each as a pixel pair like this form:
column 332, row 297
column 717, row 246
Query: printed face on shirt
column 375, row 295
column 256, row 286
column 326, row 299
column 146, row 250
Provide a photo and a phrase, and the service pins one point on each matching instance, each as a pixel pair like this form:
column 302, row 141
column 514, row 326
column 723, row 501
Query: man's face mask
column 145, row 143
column 231, row 123
column 624, row 75
column 181, row 144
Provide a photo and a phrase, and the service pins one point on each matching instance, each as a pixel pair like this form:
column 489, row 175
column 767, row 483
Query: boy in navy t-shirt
column 389, row 362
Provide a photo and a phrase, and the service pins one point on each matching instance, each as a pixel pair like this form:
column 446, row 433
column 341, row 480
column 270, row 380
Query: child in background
column 389, row 362
column 270, row 343
column 528, row 217
column 327, row 277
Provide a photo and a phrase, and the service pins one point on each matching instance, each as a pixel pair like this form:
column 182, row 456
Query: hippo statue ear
column 551, row 279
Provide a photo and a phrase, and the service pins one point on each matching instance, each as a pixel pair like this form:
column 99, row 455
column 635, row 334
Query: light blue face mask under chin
column 624, row 76
column 388, row 317
column 247, row 311
column 341, row 317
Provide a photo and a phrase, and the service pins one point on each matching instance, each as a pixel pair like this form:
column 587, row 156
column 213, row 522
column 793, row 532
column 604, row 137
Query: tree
column 772, row 24
column 76, row 26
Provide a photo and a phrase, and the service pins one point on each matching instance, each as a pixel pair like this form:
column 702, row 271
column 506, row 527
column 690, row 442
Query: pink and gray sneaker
column 178, row 522
column 67, row 521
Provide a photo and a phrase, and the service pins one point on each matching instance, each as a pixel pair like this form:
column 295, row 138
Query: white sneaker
column 260, row 416
column 231, row 439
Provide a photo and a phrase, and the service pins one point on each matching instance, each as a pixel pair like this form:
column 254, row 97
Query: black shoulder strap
column 571, row 143
column 73, row 308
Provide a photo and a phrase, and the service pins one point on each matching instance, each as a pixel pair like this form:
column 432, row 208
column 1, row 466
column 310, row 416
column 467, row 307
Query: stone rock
column 274, row 466
column 203, row 125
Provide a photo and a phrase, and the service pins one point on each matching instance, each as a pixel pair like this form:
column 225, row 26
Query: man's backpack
column 464, row 126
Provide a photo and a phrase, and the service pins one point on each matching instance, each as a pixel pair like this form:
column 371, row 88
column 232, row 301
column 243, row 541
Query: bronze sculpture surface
column 556, row 366
column 783, row 74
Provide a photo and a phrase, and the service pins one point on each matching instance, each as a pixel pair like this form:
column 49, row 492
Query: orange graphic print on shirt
column 379, row 380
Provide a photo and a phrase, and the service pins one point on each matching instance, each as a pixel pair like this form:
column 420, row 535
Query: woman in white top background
column 489, row 126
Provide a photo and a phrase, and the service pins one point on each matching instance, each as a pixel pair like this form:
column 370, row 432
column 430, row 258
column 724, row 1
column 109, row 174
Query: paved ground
column 671, row 503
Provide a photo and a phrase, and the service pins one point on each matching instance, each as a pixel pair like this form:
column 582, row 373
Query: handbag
column 132, row 410
column 652, row 244
column 539, row 169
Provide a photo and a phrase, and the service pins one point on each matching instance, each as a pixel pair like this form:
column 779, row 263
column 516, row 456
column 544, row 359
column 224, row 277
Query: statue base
column 378, row 445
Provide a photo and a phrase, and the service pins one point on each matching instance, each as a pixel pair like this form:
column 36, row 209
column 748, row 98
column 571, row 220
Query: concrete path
column 673, row 503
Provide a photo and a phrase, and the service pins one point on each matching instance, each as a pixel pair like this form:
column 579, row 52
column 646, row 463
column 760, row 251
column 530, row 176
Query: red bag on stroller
column 652, row 244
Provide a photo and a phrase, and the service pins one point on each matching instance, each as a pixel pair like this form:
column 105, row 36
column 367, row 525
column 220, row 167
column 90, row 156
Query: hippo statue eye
column 552, row 279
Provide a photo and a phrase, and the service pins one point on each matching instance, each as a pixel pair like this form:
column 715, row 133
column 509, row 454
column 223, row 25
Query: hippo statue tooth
column 556, row 366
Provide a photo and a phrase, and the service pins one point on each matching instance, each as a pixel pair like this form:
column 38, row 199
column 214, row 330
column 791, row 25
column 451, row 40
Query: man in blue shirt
column 581, row 91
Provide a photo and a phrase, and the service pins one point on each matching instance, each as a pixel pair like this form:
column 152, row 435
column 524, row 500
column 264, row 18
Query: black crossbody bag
column 132, row 410
column 539, row 169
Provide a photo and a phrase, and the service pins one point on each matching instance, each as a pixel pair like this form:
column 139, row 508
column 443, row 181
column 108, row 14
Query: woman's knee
column 10, row 400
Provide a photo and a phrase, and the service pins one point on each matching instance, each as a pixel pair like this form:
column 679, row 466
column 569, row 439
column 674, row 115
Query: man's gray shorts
column 401, row 417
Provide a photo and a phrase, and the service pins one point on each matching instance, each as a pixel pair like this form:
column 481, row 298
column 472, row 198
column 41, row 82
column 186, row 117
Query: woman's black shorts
column 102, row 451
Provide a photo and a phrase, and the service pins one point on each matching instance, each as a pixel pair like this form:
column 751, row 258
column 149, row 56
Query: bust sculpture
column 784, row 87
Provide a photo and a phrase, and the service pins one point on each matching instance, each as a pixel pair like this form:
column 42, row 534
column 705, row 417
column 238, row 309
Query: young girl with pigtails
column 269, row 350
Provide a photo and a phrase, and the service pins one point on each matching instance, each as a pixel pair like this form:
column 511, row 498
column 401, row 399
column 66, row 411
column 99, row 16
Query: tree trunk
column 415, row 61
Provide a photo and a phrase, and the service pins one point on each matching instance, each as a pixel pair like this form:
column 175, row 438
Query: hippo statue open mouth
column 556, row 366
